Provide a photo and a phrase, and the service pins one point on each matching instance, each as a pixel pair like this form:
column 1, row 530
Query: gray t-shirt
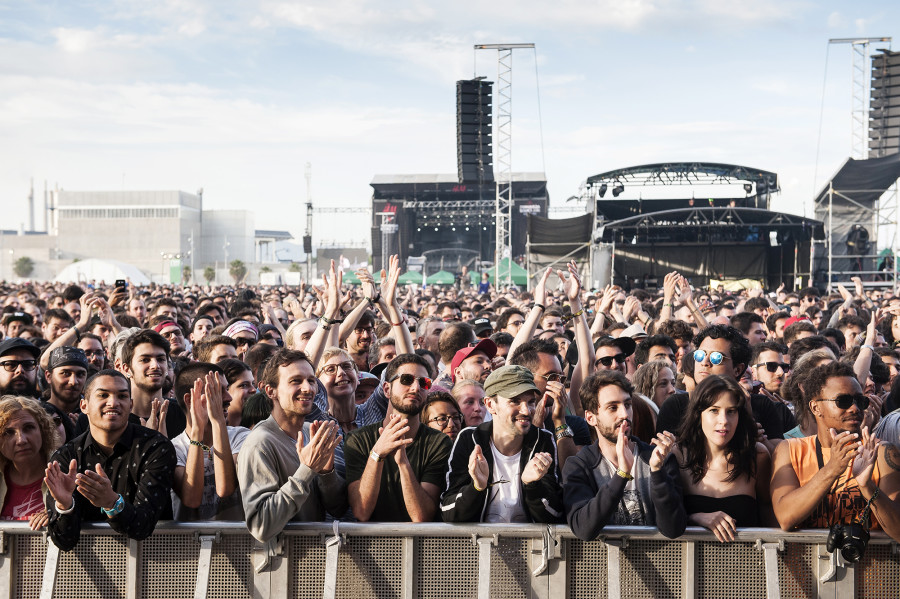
column 889, row 428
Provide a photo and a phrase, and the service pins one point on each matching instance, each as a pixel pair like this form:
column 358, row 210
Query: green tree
column 209, row 273
column 295, row 267
column 238, row 270
column 23, row 267
column 186, row 274
column 265, row 269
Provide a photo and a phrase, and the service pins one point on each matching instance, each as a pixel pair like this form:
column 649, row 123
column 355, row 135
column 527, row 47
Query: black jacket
column 542, row 499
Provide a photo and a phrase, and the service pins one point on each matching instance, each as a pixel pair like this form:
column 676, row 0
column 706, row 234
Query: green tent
column 350, row 278
column 441, row 277
column 519, row 274
column 410, row 278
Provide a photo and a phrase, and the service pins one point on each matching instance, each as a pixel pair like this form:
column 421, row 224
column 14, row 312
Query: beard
column 612, row 434
column 20, row 386
column 406, row 407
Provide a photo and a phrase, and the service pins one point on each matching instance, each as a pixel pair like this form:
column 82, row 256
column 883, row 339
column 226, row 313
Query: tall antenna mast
column 307, row 236
column 503, row 157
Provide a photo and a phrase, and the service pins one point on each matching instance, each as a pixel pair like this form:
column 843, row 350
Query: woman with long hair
column 655, row 380
column 239, row 377
column 725, row 472
column 27, row 438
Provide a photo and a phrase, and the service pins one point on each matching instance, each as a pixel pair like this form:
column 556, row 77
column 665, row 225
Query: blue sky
column 236, row 97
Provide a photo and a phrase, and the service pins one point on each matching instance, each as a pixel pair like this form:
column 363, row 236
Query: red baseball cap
column 485, row 346
column 794, row 319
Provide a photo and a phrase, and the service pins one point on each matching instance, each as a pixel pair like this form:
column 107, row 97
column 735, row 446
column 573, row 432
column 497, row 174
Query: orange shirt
column 842, row 505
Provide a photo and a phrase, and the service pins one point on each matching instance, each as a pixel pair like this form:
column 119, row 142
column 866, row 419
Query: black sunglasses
column 607, row 361
column 845, row 400
column 407, row 380
column 773, row 366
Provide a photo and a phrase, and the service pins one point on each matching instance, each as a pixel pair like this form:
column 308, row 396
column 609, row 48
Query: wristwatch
column 117, row 507
column 374, row 456
column 563, row 432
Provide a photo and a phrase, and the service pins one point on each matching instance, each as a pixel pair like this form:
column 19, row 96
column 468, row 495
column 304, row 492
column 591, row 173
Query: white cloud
column 836, row 20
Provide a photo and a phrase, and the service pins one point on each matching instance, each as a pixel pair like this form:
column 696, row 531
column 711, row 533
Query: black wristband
column 541, row 306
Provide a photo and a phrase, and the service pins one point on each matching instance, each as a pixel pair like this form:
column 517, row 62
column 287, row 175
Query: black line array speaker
column 474, row 154
column 884, row 105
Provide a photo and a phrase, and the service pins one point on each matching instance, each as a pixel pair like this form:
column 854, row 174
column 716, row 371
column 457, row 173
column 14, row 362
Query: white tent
column 101, row 271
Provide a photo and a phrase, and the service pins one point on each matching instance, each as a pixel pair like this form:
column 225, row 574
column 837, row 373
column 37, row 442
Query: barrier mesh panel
column 169, row 566
column 878, row 574
column 651, row 569
column 306, row 563
column 730, row 570
column 796, row 570
column 96, row 568
column 510, row 575
column 30, row 554
column 447, row 567
column 370, row 567
column 586, row 563
column 231, row 572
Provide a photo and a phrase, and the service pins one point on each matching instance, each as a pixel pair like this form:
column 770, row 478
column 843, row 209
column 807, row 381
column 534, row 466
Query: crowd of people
column 377, row 402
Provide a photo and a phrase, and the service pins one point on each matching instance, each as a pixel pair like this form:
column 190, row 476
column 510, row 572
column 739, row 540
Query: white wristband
column 61, row 511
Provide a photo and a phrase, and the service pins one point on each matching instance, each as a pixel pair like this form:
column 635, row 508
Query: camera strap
column 821, row 461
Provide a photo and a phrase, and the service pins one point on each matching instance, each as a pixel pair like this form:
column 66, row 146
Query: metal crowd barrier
column 480, row 561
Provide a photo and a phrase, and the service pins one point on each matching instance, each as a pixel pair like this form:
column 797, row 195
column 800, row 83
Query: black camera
column 851, row 539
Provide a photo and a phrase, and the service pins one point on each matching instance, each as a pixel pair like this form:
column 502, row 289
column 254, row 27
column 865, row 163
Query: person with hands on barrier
column 725, row 472
column 505, row 469
column 620, row 480
column 833, row 477
column 396, row 469
column 286, row 469
column 116, row 471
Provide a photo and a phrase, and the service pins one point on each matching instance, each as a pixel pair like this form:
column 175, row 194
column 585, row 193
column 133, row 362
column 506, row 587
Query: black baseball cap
column 14, row 343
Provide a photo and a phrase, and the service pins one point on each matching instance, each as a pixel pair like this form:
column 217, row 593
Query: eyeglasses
column 728, row 306
column 407, row 379
column 361, row 330
column 774, row 366
column 607, row 361
column 444, row 420
column 558, row 377
column 331, row 369
column 845, row 400
column 245, row 341
column 94, row 353
column 715, row 357
column 12, row 365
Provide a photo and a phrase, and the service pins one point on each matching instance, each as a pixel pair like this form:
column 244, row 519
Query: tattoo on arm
column 892, row 457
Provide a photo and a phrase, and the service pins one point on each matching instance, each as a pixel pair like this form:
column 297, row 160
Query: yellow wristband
column 474, row 484
column 624, row 474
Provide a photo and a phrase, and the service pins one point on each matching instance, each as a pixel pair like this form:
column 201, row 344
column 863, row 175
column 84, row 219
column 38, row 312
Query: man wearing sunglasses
column 769, row 366
column 504, row 470
column 832, row 476
column 396, row 469
column 18, row 367
column 612, row 352
column 724, row 351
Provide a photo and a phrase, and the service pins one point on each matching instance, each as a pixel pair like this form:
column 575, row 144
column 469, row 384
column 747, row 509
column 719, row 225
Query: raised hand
column 669, row 283
column 478, row 468
column 572, row 285
column 318, row 454
column 844, row 447
column 96, row 488
column 540, row 289
column 61, row 484
column 367, row 283
column 684, row 295
column 392, row 437
column 216, row 389
column 864, row 462
column 198, row 409
column 537, row 467
column 389, row 279
column 665, row 443
column 606, row 302
column 624, row 452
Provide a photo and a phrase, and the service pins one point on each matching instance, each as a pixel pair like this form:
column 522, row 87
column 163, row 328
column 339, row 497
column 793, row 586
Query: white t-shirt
column 505, row 498
column 212, row 507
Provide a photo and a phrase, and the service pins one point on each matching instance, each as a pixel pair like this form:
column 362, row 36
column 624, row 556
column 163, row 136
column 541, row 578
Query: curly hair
column 741, row 452
column 10, row 405
column 647, row 375
column 740, row 347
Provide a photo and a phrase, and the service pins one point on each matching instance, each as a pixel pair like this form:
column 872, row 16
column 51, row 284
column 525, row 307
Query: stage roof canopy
column 689, row 173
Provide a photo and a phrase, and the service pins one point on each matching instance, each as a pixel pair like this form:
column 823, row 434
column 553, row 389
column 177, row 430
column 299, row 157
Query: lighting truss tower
column 503, row 154
column 307, row 235
column 859, row 92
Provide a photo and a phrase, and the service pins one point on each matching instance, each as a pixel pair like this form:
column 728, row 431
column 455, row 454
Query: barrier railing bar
column 332, row 555
column 51, row 564
column 689, row 570
column 7, row 561
column 484, row 566
column 408, row 568
column 770, row 557
column 614, row 569
column 132, row 570
column 204, row 562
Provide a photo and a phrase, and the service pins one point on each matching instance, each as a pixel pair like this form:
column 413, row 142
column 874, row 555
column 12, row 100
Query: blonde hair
column 289, row 333
column 331, row 352
column 10, row 405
